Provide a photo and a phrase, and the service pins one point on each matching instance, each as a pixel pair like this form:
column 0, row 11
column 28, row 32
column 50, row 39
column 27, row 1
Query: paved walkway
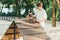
column 31, row 31
column 52, row 32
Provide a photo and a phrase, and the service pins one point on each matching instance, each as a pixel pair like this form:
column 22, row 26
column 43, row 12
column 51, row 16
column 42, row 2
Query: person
column 40, row 14
column 30, row 18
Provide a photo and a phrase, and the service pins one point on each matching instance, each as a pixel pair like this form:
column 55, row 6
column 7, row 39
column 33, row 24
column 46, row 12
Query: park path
column 48, row 33
column 34, row 31
column 31, row 31
column 53, row 32
column 27, row 30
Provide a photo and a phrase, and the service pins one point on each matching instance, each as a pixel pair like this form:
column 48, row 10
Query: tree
column 7, row 3
column 29, row 5
column 17, row 8
column 53, row 15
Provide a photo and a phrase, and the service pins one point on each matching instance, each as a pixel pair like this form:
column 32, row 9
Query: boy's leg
column 42, row 24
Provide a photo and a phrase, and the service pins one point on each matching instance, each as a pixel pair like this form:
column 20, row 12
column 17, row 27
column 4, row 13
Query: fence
column 9, row 18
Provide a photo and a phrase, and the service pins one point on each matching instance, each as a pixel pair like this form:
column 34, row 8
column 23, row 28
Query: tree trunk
column 17, row 8
column 58, row 3
column 53, row 15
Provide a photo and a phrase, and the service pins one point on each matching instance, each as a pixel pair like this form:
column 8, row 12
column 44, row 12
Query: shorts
column 42, row 24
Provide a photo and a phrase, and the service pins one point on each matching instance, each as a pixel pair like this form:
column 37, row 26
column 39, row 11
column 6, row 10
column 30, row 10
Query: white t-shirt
column 40, row 14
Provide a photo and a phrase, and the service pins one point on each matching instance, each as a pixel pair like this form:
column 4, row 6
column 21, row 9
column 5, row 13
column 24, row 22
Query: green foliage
column 7, row 1
column 30, row 4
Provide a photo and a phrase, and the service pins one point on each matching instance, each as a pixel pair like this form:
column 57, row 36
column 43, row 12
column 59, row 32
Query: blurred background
column 17, row 11
column 21, row 8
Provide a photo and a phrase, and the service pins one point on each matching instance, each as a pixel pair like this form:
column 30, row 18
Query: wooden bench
column 9, row 35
